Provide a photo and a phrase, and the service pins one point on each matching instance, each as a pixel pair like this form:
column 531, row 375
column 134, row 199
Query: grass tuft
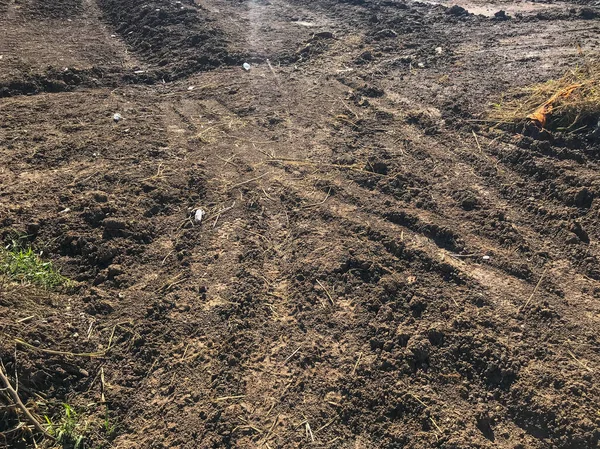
column 25, row 266
column 570, row 103
column 67, row 431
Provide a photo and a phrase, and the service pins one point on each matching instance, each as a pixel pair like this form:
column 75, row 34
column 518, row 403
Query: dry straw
column 570, row 103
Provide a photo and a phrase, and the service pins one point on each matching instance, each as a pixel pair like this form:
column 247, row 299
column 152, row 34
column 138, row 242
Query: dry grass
column 569, row 103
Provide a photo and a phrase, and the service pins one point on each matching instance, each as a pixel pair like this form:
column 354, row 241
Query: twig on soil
column 175, row 280
column 266, row 194
column 228, row 161
column 266, row 239
column 323, row 305
column 324, row 164
column 250, row 180
column 103, row 353
column 326, row 425
column 593, row 27
column 102, row 385
column 90, row 328
column 248, row 426
column 459, row 256
column 348, row 107
column 275, row 421
column 477, row 142
column 579, row 361
column 5, row 433
column 271, row 408
column 199, row 135
column 319, row 203
column 159, row 173
column 273, row 71
column 357, row 126
column 69, row 354
column 91, row 384
column 436, row 426
column 427, row 407
column 166, row 257
column 226, row 398
column 7, row 407
column 292, row 355
column 326, row 292
column 250, row 141
column 225, row 209
column 112, row 334
column 270, row 155
column 534, row 290
column 309, row 432
column 356, row 364
column 17, row 400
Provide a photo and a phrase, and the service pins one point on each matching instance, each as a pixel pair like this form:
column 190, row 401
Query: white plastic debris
column 420, row 64
column 199, row 215
column 191, row 87
column 439, row 50
column 137, row 72
column 66, row 210
column 117, row 117
column 486, row 257
column 246, row 66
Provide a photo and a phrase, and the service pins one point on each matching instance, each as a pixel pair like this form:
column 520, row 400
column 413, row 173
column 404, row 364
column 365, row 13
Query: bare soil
column 336, row 292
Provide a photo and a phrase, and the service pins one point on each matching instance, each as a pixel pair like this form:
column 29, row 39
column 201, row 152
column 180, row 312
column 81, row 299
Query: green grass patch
column 25, row 266
column 68, row 431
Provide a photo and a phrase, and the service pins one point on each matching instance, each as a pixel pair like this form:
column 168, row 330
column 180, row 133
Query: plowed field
column 378, row 265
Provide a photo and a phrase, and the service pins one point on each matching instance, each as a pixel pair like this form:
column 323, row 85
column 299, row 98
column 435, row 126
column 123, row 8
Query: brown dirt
column 336, row 294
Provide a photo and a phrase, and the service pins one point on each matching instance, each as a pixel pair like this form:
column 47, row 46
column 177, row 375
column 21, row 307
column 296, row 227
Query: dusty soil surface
column 336, row 292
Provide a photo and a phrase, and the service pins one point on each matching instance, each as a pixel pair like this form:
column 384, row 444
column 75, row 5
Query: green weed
column 110, row 429
column 24, row 265
column 67, row 432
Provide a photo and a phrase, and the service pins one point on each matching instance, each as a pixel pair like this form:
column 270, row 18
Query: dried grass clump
column 570, row 103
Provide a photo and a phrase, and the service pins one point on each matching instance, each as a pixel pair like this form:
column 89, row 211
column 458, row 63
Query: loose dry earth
column 335, row 294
